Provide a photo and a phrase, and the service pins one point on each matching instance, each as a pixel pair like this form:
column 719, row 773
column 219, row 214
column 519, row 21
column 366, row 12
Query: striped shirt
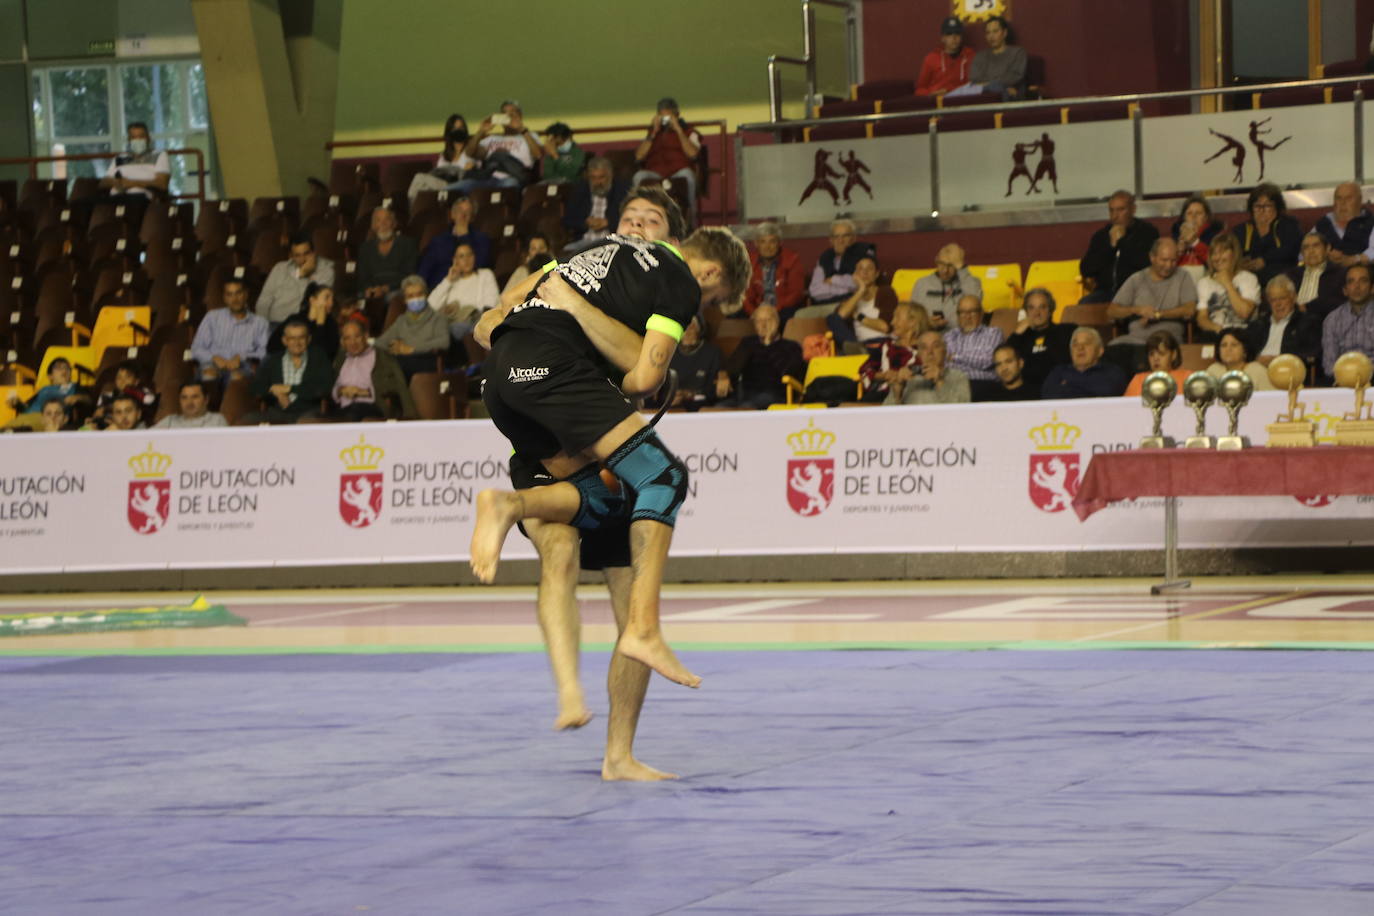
column 1343, row 331
column 220, row 334
column 972, row 352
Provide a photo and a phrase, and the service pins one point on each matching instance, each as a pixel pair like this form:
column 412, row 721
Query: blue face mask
column 417, row 305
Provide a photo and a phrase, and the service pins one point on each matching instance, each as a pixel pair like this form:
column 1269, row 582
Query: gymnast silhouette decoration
column 1257, row 132
column 1238, row 160
column 1260, row 146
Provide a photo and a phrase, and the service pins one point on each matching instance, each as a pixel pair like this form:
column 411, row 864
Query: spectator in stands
column 438, row 256
column 288, row 280
column 1040, row 342
column 1012, row 384
column 894, row 358
column 563, row 159
column 535, row 252
column 1270, row 237
column 1348, row 227
column 1159, row 298
column 670, row 150
column 970, row 344
column 833, row 279
column 1320, row 283
column 701, row 378
column 1285, row 329
column 1351, row 326
column 1088, row 375
column 60, row 387
column 294, row 383
column 230, row 342
column 937, row 382
column 368, row 383
column 939, row 293
column 1226, row 297
column 1164, row 354
column 465, row 293
column 947, row 67
column 1117, row 250
column 128, row 379
column 1233, row 354
column 507, row 151
column 754, row 371
column 862, row 319
column 454, row 160
column 195, row 412
column 420, row 335
column 317, row 309
column 137, row 174
column 1001, row 66
column 386, row 258
column 53, row 418
column 779, row 279
column 593, row 205
column 1194, row 230
column 125, row 414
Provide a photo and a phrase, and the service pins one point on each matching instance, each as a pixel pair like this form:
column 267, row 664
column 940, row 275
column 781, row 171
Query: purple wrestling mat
column 1089, row 782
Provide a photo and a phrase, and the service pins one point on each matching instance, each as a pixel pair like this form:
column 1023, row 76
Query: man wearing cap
column 669, row 150
column 947, row 67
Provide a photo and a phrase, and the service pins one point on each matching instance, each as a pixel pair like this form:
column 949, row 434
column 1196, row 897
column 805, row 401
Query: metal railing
column 718, row 128
column 808, row 58
column 778, row 125
column 199, row 172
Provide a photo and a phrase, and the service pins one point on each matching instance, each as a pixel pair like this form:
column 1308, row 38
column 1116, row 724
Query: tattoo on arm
column 658, row 355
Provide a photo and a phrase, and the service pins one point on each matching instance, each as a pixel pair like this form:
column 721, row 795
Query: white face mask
column 138, row 146
column 565, row 146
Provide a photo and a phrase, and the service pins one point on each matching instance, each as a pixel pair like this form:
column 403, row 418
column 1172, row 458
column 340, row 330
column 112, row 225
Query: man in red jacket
column 779, row 278
column 948, row 67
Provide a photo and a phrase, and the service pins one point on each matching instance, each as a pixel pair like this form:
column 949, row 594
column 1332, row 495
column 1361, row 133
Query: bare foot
column 497, row 513
column 631, row 770
column 655, row 653
column 572, row 713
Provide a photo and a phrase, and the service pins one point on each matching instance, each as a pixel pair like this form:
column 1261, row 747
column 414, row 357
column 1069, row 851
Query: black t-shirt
column 629, row 280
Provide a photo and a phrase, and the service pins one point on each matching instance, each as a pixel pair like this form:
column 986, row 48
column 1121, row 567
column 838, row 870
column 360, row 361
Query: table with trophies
column 1226, row 465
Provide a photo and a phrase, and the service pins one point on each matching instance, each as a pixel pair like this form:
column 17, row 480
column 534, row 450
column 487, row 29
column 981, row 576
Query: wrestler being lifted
column 625, row 301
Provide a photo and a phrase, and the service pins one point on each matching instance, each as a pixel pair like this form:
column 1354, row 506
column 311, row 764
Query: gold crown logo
column 149, row 464
column 811, row 441
column 1054, row 436
column 1325, row 423
column 361, row 457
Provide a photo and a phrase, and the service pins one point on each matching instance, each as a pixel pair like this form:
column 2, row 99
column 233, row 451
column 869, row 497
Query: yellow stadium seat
column 1065, row 293
column 903, row 280
column 22, row 392
column 81, row 358
column 823, row 366
column 120, row 326
column 1001, row 284
column 1061, row 278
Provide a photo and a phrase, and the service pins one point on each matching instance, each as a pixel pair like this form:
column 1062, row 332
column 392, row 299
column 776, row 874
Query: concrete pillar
column 271, row 73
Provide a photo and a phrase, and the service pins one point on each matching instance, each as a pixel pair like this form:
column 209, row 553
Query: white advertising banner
column 1040, row 164
column 987, row 477
column 1305, row 144
column 810, row 182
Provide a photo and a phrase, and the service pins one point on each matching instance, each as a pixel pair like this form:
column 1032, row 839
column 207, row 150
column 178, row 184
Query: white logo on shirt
column 527, row 375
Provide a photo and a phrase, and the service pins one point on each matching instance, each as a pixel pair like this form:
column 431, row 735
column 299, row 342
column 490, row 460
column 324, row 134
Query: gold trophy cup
column 1158, row 392
column 1290, row 429
column 1353, row 370
column 1199, row 391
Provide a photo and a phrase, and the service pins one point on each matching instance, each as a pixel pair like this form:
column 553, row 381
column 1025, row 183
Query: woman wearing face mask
column 563, row 159
column 368, row 383
column 419, row 335
column 1233, row 352
column 317, row 308
column 452, row 162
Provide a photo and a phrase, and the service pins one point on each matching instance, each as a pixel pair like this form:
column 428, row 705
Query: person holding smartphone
column 506, row 149
column 669, row 150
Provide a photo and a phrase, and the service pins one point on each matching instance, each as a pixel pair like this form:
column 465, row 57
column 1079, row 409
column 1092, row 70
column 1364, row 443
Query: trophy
column 1199, row 391
column 1353, row 370
column 1233, row 391
column 1158, row 392
column 1290, row 429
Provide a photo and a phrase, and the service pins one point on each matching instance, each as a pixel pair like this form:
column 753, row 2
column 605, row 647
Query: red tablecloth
column 1320, row 471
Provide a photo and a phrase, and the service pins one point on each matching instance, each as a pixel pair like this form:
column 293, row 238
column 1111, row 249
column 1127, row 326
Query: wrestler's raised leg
column 626, row 682
column 559, row 618
column 499, row 510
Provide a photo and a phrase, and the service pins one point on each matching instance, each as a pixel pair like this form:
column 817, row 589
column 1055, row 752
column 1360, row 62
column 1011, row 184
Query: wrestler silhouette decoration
column 854, row 166
column 821, row 181
column 1044, row 168
column 1257, row 131
column 150, row 502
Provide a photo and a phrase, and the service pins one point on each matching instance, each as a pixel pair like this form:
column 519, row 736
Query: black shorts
column 547, row 397
column 608, row 546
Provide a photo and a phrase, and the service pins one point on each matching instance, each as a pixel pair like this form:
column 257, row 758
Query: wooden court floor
column 1256, row 612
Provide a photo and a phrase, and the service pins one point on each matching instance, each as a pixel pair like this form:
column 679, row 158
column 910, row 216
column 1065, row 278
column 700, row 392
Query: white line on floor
column 340, row 613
